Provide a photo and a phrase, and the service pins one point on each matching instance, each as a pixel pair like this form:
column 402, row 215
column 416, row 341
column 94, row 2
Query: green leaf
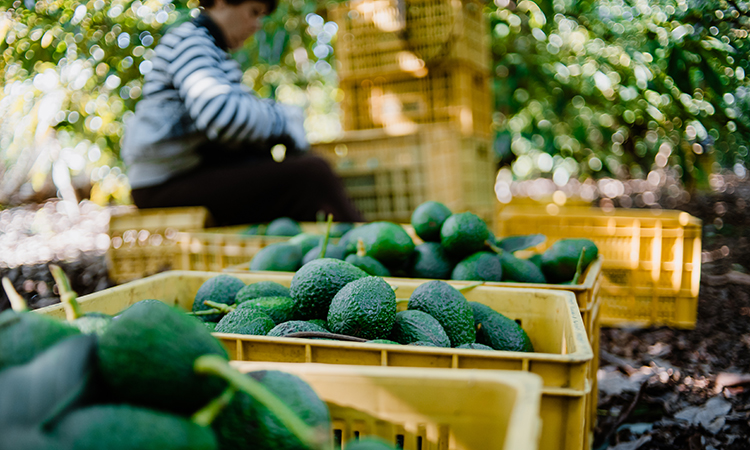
column 36, row 392
column 515, row 243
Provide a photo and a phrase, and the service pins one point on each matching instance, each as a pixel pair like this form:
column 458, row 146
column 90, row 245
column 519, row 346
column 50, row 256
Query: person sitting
column 199, row 137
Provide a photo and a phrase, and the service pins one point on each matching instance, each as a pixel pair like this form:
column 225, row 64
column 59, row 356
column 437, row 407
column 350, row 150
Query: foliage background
column 652, row 90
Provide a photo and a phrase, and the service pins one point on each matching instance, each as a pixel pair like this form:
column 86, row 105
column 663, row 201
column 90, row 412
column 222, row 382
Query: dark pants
column 256, row 190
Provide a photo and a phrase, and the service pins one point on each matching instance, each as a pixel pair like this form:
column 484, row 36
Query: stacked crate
column 417, row 106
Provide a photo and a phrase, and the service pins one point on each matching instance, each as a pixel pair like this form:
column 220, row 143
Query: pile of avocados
column 148, row 378
column 454, row 246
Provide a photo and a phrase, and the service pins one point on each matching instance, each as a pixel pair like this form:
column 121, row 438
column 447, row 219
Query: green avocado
column 481, row 266
column 306, row 241
column 559, row 262
column 219, row 289
column 333, row 251
column 27, row 438
column 364, row 308
column 412, row 326
column 244, row 320
column 315, row 284
column 283, row 226
column 431, row 261
column 428, row 218
column 369, row 264
column 463, row 234
column 126, row 427
column 261, row 289
column 382, row 341
column 449, row 306
column 279, row 309
column 387, row 242
column 279, row 257
column 499, row 332
column 520, row 270
column 476, row 347
column 295, row 326
column 24, row 335
column 146, row 358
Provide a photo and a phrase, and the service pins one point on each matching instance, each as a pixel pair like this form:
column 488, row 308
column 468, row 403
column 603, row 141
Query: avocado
column 210, row 326
column 126, row 427
column 244, row 320
column 283, row 226
column 412, row 326
column 27, row 438
column 520, row 270
column 559, row 261
column 320, row 322
column 349, row 236
column 219, row 289
column 369, row 443
column 382, row 341
column 279, row 309
column 499, row 332
column 369, row 264
column 332, row 251
column 279, row 257
column 339, row 229
column 261, row 289
column 475, row 346
column 422, row 344
column 431, row 261
column 364, row 308
column 387, row 242
column 315, row 284
column 306, row 241
column 449, row 306
column 146, row 357
column 463, row 234
column 481, row 266
column 246, row 424
column 536, row 259
column 295, row 326
column 428, row 218
column 24, row 335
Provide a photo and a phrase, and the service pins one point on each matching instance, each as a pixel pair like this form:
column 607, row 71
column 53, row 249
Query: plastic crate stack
column 417, row 106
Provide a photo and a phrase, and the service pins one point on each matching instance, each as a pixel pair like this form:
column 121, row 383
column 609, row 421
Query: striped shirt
column 193, row 95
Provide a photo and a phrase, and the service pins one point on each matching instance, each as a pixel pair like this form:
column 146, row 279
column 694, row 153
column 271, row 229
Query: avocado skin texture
column 382, row 341
column 520, row 270
column 315, row 284
column 463, row 234
column 446, row 304
column 332, row 251
column 261, row 289
column 499, row 332
column 431, row 261
column 364, row 308
column 219, row 289
column 283, row 226
column 370, row 265
column 475, row 346
column 319, row 322
column 125, row 427
column 412, row 326
column 246, row 424
column 295, row 326
column 423, row 344
column 481, row 266
column 279, row 309
column 369, row 443
column 280, row 257
column 428, row 218
column 559, row 261
column 24, row 335
column 306, row 241
column 146, row 357
column 249, row 321
column 387, row 242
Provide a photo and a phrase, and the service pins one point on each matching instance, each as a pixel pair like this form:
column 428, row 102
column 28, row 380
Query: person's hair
column 270, row 4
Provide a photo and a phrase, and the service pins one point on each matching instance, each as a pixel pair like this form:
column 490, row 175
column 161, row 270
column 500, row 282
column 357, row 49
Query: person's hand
column 295, row 128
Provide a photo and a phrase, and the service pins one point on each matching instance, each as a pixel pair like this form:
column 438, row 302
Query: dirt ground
column 659, row 388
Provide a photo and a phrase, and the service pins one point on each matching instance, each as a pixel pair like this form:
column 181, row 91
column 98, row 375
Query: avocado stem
column 469, row 286
column 205, row 312
column 17, row 303
column 218, row 366
column 361, row 247
column 579, row 267
column 494, row 247
column 394, row 287
column 68, row 297
column 206, row 415
column 224, row 309
column 320, row 334
column 328, row 233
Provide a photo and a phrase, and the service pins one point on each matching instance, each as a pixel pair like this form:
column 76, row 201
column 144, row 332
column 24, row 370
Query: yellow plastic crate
column 388, row 176
column 551, row 318
column 476, row 410
column 384, row 37
column 651, row 269
column 144, row 242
